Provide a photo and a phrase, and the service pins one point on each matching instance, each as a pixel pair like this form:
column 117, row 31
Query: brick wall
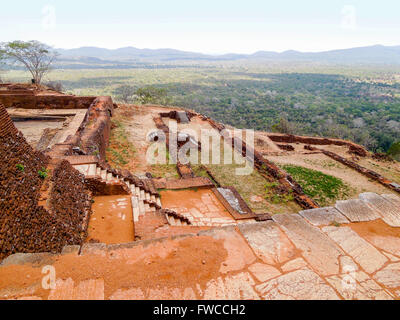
column 36, row 214
column 28, row 100
column 95, row 136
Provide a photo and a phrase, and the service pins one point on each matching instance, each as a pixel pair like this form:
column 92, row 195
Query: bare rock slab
column 237, row 287
column 358, row 286
column 318, row 250
column 269, row 242
column 389, row 276
column 297, row 285
column 264, row 272
column 366, row 255
column 323, row 216
column 356, row 210
column 393, row 199
column 389, row 212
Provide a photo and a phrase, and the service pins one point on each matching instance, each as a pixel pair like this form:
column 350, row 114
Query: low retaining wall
column 93, row 135
column 353, row 148
column 29, row 100
column 366, row 172
column 246, row 213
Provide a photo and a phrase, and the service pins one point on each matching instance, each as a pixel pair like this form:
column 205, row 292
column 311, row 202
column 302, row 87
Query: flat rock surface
column 324, row 216
column 389, row 276
column 297, row 285
column 389, row 212
column 358, row 286
column 317, row 249
column 367, row 256
column 356, row 210
column 287, row 258
column 268, row 242
column 393, row 199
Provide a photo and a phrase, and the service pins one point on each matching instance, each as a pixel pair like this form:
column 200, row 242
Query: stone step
column 153, row 198
column 148, row 196
column 83, row 168
column 366, row 255
column 356, row 210
column 389, row 212
column 103, row 175
column 109, row 177
column 135, row 209
column 323, row 216
column 142, row 209
column 392, row 198
column 318, row 250
column 98, row 171
column 158, row 200
column 268, row 242
column 92, row 170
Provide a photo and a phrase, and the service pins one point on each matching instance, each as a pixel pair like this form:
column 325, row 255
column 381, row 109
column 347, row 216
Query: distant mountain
column 96, row 56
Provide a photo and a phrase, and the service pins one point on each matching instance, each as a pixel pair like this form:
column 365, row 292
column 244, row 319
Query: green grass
column 323, row 188
column 120, row 150
column 43, row 173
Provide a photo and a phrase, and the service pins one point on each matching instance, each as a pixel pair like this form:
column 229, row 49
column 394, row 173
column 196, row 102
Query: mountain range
column 377, row 54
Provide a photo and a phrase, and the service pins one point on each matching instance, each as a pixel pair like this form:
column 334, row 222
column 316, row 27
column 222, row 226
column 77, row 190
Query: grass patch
column 120, row 149
column 323, row 188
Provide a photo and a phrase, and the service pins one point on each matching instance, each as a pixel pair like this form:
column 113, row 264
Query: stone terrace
column 316, row 254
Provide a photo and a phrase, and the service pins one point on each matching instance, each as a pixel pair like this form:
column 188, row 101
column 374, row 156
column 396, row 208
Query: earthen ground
column 111, row 221
column 357, row 182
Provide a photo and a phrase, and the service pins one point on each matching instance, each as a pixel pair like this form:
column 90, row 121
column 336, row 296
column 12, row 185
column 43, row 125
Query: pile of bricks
column 26, row 226
column 66, row 203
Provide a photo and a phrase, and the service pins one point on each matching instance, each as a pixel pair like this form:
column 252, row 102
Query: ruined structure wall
column 36, row 214
column 28, row 100
column 95, row 136
column 287, row 138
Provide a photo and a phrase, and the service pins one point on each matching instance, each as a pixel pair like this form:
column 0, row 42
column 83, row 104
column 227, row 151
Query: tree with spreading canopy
column 35, row 56
column 125, row 93
column 152, row 94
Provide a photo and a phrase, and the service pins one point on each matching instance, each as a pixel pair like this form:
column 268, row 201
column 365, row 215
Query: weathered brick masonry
column 26, row 226
column 287, row 138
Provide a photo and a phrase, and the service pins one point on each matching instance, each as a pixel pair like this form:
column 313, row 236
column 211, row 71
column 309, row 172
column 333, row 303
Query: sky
column 207, row 26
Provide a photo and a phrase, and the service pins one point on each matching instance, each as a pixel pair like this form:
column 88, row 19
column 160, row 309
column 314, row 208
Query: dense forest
column 361, row 104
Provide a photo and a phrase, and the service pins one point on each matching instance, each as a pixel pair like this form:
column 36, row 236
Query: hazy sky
column 209, row 26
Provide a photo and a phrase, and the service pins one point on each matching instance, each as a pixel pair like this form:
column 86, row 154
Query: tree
column 2, row 62
column 152, row 94
column 125, row 93
column 33, row 55
column 394, row 150
column 284, row 126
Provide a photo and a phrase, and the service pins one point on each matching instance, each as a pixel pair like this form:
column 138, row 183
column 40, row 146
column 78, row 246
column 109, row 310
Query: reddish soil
column 111, row 221
column 154, row 265
column 375, row 228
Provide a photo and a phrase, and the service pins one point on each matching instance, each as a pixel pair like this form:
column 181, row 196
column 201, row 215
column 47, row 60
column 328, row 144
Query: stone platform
column 318, row 254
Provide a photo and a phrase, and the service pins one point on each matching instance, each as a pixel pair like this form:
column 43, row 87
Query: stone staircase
column 144, row 198
column 175, row 219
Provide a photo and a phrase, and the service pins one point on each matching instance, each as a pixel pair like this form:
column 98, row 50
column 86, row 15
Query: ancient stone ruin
column 116, row 227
